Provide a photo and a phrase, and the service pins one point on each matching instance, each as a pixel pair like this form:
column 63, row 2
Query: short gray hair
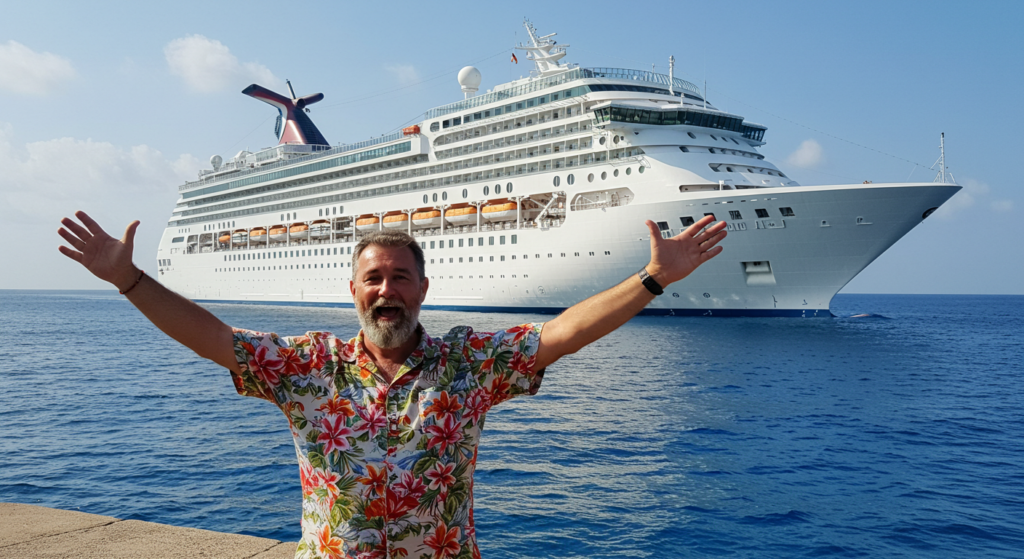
column 390, row 239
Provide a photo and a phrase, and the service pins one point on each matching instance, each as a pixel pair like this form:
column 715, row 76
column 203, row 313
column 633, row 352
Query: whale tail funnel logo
column 293, row 126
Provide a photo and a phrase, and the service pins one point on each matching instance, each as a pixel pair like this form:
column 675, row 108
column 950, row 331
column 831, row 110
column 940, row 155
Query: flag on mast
column 514, row 59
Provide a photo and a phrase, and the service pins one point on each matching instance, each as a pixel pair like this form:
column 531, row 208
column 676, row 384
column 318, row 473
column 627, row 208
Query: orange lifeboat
column 320, row 229
column 461, row 216
column 367, row 223
column 224, row 239
column 427, row 218
column 501, row 211
column 395, row 221
column 278, row 233
column 258, row 235
column 299, row 231
column 409, row 131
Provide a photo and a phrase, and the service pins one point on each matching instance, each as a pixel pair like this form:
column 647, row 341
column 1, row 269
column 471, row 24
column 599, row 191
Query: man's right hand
column 106, row 257
column 111, row 260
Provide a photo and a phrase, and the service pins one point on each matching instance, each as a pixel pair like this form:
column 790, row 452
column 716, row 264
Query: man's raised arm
column 111, row 260
column 671, row 260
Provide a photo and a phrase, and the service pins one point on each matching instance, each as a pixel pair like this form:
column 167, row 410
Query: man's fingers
column 129, row 233
column 713, row 240
column 93, row 227
column 76, row 256
column 703, row 222
column 75, row 228
column 709, row 254
column 71, row 239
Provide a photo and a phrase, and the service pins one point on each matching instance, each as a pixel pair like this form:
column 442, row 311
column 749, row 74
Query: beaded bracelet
column 142, row 275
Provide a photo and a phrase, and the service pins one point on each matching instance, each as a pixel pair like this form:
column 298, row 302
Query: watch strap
column 650, row 283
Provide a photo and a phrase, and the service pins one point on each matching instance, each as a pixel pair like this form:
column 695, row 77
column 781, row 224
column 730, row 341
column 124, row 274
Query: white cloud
column 971, row 192
column 809, row 154
column 1002, row 205
column 207, row 65
column 24, row 71
column 405, row 73
column 45, row 181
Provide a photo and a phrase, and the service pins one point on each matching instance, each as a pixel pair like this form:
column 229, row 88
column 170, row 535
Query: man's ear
column 423, row 291
column 352, row 288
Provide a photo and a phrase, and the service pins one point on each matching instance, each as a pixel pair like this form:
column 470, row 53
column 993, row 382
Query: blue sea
column 896, row 434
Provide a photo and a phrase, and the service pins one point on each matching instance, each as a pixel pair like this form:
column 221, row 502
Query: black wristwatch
column 649, row 282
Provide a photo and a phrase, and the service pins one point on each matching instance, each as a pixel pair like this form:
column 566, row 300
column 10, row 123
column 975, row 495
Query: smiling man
column 386, row 425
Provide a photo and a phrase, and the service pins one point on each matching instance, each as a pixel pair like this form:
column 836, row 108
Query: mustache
column 384, row 302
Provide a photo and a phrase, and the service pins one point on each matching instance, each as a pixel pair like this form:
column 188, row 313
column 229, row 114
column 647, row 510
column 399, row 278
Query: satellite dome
column 469, row 79
column 216, row 162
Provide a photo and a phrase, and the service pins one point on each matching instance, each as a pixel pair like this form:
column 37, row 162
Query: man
column 386, row 425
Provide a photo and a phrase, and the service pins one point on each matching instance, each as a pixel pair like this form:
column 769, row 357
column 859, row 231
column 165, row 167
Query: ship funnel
column 293, row 126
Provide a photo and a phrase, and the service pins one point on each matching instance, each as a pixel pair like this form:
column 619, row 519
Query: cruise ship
column 530, row 197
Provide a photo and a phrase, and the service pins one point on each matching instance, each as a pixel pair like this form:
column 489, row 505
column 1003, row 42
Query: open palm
column 675, row 258
column 107, row 258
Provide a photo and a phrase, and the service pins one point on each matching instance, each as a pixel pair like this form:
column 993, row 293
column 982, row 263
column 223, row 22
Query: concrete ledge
column 31, row 531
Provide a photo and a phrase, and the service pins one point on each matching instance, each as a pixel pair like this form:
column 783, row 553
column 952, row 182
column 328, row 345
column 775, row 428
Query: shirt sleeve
column 503, row 361
column 272, row 367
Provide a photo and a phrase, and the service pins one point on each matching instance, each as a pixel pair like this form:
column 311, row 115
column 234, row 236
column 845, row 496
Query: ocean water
column 898, row 434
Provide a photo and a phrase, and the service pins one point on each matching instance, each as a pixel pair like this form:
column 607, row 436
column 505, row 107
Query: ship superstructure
column 531, row 197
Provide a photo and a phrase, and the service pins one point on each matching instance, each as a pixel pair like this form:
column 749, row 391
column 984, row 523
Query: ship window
column 570, row 179
column 503, row 258
column 460, row 260
column 492, row 260
column 497, row 189
column 470, row 241
column 431, row 244
column 501, row 240
column 728, row 169
column 733, row 214
column 556, row 181
column 513, row 257
column 714, row 168
column 444, row 195
column 321, row 212
column 591, row 254
column 490, row 240
column 487, row 190
column 712, row 150
column 590, row 177
column 460, row 243
column 575, row 254
column 425, row 198
column 761, row 212
column 435, row 197
column 434, row 126
column 177, row 239
column 781, row 175
column 508, row 187
column 786, row 212
column 713, row 137
column 684, row 149
column 465, row 193
column 604, row 175
column 629, row 170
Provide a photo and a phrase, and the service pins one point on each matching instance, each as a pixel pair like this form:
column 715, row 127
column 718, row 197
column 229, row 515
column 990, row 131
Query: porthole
column 556, row 181
column 692, row 135
column 641, row 170
column 497, row 189
column 570, row 179
column 604, row 175
column 629, row 171
column 465, row 193
column 615, row 173
column 590, row 177
column 444, row 195
column 684, row 149
column 615, row 140
column 749, row 170
column 712, row 150
column 601, row 141
column 487, row 190
column 435, row 197
column 728, row 169
column 713, row 137
column 425, row 198
column 508, row 188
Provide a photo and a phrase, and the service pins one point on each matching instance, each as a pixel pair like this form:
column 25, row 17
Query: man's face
column 388, row 292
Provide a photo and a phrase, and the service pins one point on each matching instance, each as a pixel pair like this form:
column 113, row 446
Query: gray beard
column 388, row 335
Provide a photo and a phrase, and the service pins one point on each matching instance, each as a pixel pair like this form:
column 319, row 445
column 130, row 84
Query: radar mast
column 544, row 52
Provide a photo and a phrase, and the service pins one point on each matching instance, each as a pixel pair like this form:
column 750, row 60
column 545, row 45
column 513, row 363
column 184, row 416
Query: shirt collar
column 362, row 358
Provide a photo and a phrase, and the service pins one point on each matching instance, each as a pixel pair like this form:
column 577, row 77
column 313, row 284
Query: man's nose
column 387, row 289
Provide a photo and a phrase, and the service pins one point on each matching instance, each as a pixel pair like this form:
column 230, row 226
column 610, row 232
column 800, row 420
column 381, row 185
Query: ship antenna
column 671, row 74
column 942, row 160
column 290, row 90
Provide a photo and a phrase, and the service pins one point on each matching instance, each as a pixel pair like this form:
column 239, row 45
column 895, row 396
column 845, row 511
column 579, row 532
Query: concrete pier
column 28, row 531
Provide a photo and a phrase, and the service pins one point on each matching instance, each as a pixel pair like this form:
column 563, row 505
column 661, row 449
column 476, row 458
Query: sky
column 109, row 107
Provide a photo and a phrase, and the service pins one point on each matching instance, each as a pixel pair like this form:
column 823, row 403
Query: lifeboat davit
column 279, row 233
column 397, row 220
column 504, row 211
column 368, row 223
column 320, row 230
column 258, row 236
column 461, row 216
column 427, row 218
column 239, row 237
column 299, row 231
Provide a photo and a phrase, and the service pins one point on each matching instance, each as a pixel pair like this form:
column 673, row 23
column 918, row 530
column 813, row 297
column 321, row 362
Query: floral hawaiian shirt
column 387, row 471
